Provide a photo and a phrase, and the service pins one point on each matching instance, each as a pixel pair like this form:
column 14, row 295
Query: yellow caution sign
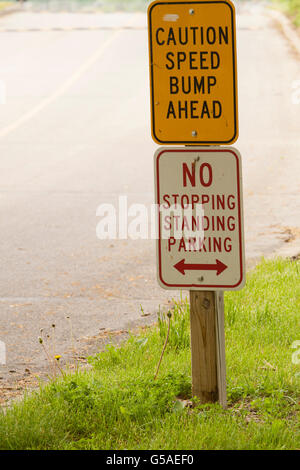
column 192, row 50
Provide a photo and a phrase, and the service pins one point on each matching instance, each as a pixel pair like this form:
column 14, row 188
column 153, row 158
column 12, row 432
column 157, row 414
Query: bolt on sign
column 192, row 51
column 200, row 218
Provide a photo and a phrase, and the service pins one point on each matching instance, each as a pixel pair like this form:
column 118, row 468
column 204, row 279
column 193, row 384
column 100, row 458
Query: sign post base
column 208, row 346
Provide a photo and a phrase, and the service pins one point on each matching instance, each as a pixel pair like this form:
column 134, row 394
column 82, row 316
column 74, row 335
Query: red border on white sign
column 240, row 283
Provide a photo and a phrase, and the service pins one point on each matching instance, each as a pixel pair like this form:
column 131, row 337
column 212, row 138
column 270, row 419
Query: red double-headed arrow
column 182, row 267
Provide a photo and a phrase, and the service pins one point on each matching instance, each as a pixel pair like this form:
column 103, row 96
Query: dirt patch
column 291, row 234
column 287, row 234
column 11, row 392
column 246, row 409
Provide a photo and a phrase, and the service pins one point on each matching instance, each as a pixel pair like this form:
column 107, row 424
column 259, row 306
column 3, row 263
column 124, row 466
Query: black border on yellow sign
column 194, row 141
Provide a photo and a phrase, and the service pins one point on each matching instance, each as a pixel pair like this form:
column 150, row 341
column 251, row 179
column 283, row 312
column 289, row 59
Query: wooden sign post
column 208, row 346
column 200, row 245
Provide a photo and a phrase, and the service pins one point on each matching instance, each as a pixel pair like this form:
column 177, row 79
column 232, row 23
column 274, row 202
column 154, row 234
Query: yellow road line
column 62, row 88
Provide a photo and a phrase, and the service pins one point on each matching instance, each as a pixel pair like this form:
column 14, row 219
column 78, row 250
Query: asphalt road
column 75, row 133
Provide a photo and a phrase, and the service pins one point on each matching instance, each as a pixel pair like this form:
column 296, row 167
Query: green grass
column 118, row 405
column 4, row 5
column 290, row 7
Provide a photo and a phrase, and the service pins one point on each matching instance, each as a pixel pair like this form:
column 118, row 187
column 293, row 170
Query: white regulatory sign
column 200, row 218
